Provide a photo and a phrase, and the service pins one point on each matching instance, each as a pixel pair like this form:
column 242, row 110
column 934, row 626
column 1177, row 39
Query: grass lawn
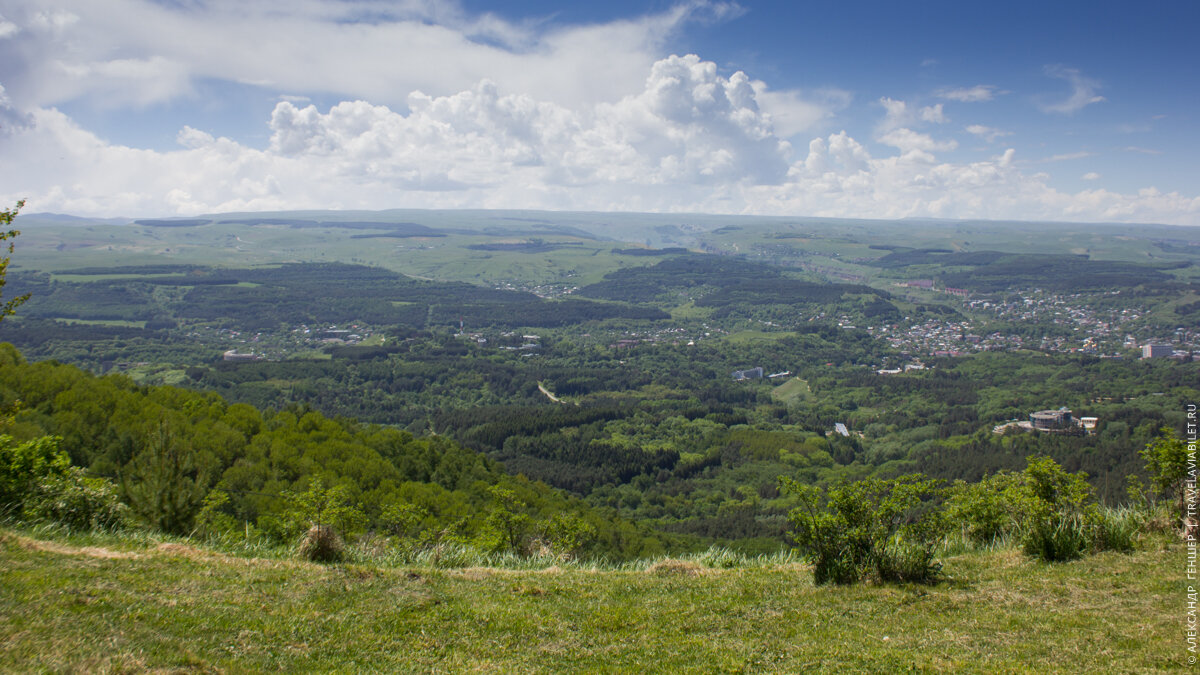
column 743, row 337
column 793, row 390
column 111, row 604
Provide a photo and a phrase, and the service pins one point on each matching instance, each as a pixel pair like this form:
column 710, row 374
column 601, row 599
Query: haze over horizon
column 1032, row 111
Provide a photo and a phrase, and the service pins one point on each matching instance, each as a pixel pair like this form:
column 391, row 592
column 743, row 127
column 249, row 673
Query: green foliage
column 39, row 485
column 320, row 507
column 9, row 307
column 567, row 534
column 165, row 483
column 403, row 520
column 211, row 520
column 76, row 501
column 1166, row 461
column 1059, row 518
column 990, row 509
column 1063, row 522
column 507, row 523
column 169, row 448
column 873, row 528
column 327, row 516
column 1135, row 491
column 23, row 465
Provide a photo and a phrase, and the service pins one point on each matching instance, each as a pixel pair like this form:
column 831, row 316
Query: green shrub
column 566, row 534
column 212, row 522
column 988, row 510
column 23, row 465
column 506, row 526
column 165, row 483
column 1063, row 522
column 76, row 501
column 1060, row 517
column 1056, row 536
column 883, row 529
column 39, row 485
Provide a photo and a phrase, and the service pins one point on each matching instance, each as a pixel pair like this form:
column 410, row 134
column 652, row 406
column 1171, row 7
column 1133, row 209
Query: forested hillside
column 170, row 450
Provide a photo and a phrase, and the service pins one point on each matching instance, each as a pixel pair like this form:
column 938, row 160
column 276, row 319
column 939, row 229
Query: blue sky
column 1018, row 110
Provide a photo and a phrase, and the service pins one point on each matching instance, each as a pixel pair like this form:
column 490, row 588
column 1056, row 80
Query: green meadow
column 102, row 603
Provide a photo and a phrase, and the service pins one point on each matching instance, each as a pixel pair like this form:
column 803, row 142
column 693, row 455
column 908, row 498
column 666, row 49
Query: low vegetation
column 108, row 603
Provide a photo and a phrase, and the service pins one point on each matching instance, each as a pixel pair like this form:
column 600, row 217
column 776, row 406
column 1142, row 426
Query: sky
column 1061, row 111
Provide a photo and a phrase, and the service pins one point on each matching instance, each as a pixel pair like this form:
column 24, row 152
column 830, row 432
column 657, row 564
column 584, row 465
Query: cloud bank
column 443, row 108
column 690, row 140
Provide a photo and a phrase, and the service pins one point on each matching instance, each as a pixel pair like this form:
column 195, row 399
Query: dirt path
column 549, row 394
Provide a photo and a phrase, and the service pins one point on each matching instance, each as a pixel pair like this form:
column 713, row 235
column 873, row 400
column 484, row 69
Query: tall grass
column 1066, row 536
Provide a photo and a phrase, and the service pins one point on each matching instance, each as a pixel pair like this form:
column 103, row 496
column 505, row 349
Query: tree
column 505, row 526
column 328, row 515
column 1166, row 461
column 6, row 218
column 164, row 483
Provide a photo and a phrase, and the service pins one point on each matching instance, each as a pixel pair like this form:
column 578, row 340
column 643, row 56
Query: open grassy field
column 105, row 604
column 795, row 389
column 751, row 336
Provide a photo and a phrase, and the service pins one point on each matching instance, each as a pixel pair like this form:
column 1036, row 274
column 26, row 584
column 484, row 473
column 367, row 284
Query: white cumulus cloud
column 689, row 139
column 934, row 114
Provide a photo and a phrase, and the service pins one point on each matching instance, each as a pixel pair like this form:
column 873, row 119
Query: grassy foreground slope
column 108, row 604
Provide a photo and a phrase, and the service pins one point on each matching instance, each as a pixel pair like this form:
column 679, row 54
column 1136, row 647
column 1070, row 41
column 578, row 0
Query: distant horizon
column 664, row 214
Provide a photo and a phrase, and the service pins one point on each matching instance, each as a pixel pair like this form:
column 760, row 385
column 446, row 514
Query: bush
column 506, row 526
column 1063, row 522
column 566, row 534
column 212, row 522
column 1057, row 536
column 882, row 529
column 23, row 465
column 988, row 510
column 77, row 501
column 39, row 485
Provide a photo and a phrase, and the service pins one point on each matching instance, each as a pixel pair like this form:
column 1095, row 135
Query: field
column 795, row 389
column 586, row 242
column 102, row 603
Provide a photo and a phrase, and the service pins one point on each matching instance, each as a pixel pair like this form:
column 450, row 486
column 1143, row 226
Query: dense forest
column 298, row 293
column 188, row 445
column 990, row 271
